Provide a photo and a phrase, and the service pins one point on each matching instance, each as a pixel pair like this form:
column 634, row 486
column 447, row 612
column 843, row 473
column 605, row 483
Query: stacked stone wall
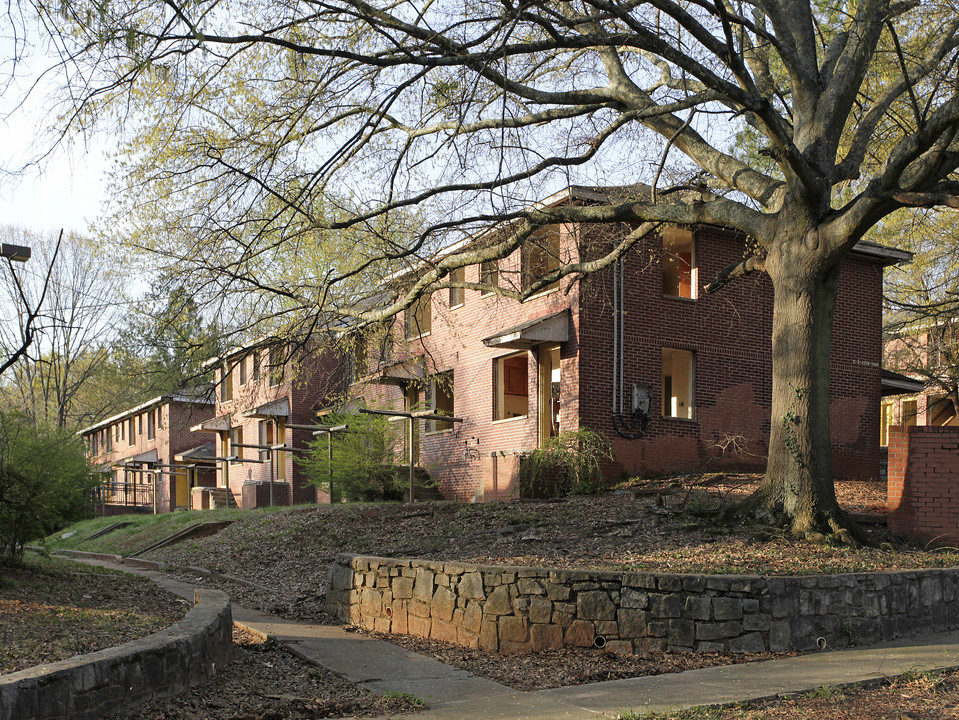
column 523, row 609
column 104, row 682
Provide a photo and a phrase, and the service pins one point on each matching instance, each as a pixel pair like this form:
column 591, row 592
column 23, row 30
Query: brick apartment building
column 147, row 456
column 266, row 396
column 637, row 352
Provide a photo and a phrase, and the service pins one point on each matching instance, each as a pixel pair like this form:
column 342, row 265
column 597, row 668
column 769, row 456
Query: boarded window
column 236, row 438
column 489, row 274
column 226, row 385
column 418, row 318
column 540, row 257
column 440, row 401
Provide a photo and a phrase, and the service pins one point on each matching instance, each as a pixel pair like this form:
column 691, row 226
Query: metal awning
column 894, row 383
column 201, row 453
column 272, row 409
column 399, row 372
column 217, row 424
column 150, row 456
column 549, row 329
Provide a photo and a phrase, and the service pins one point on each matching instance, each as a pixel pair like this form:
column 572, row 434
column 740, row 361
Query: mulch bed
column 52, row 610
column 266, row 682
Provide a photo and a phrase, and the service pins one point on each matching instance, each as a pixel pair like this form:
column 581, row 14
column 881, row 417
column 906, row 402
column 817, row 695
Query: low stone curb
column 107, row 681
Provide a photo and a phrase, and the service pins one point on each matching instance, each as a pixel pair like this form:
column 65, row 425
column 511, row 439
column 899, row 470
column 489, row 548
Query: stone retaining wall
column 95, row 685
column 522, row 609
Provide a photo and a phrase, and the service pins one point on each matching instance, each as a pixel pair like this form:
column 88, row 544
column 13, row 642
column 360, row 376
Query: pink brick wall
column 923, row 495
column 310, row 381
column 172, row 436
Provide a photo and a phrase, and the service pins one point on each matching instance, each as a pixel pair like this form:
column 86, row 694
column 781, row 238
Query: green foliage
column 826, row 692
column 363, row 461
column 568, row 464
column 44, row 483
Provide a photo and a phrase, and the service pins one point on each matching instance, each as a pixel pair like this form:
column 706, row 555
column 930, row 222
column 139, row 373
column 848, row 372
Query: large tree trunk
column 798, row 489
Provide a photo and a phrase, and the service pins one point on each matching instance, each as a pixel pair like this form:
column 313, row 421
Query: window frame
column 489, row 275
column 539, row 257
column 413, row 316
column 457, row 295
column 674, row 232
column 444, row 381
column 691, row 409
column 499, row 387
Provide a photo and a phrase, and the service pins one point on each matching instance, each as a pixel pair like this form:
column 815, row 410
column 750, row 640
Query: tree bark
column 798, row 489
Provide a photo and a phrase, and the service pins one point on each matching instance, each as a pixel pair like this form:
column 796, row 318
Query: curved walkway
column 455, row 694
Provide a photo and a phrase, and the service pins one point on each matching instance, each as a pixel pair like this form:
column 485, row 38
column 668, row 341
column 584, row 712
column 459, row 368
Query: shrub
column 567, row 464
column 45, row 483
column 363, row 459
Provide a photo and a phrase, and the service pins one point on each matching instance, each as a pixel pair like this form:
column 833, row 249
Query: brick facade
column 728, row 335
column 923, row 496
column 142, row 440
column 265, row 399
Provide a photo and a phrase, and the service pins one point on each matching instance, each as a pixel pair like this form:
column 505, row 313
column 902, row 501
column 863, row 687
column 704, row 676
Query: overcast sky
column 67, row 190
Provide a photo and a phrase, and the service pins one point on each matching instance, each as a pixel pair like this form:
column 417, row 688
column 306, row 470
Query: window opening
column 440, row 401
column 885, row 422
column 489, row 275
column 678, row 383
column 418, row 318
column 243, row 377
column 236, row 438
column 151, row 424
column 679, row 263
column 277, row 367
column 549, row 387
column 512, row 387
column 910, row 411
column 540, row 257
column 226, row 385
column 457, row 294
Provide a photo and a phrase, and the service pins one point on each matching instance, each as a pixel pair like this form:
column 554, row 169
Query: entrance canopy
column 549, row 329
column 272, row 409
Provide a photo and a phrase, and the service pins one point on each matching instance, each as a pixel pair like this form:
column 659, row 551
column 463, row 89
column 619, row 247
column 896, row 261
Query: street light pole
column 14, row 253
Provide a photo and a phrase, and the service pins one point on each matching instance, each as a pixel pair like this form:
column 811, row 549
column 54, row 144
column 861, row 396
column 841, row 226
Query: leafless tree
column 69, row 314
column 18, row 332
column 370, row 134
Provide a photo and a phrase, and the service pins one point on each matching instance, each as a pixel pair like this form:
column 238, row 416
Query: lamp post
column 14, row 253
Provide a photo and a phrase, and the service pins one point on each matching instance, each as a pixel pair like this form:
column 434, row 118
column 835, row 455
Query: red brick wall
column 728, row 332
column 311, row 379
column 923, row 495
column 730, row 335
column 478, row 459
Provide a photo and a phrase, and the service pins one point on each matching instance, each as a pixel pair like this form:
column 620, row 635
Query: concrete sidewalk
column 458, row 695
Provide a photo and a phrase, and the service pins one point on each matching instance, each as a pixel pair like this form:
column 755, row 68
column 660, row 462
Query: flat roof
column 159, row 400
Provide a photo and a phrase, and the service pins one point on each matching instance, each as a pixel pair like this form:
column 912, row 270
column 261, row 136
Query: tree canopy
column 259, row 127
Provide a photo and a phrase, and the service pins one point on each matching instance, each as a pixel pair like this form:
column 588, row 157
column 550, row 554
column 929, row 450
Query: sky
column 67, row 188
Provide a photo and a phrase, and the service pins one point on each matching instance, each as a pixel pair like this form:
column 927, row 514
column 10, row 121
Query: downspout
column 633, row 425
